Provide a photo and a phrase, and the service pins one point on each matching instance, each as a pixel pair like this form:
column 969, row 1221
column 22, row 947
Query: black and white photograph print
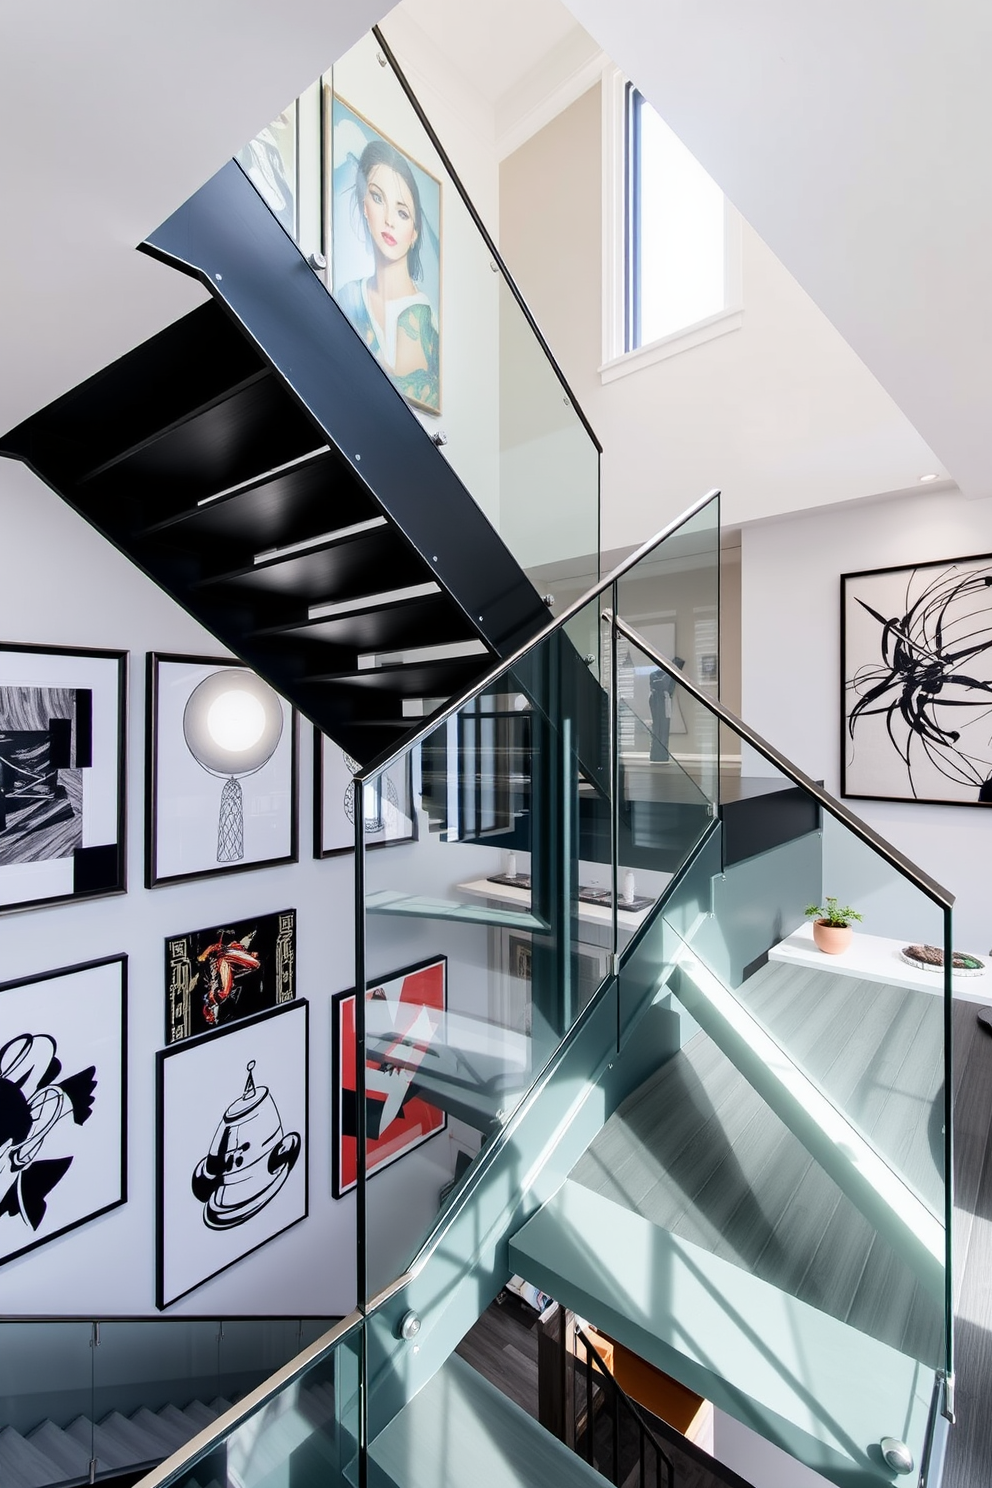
column 62, row 1102
column 389, row 814
column 221, row 781
column 916, row 683
column 61, row 774
column 222, row 973
column 232, row 1146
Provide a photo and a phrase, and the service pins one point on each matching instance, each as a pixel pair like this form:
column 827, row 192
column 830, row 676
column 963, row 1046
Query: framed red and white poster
column 404, row 1017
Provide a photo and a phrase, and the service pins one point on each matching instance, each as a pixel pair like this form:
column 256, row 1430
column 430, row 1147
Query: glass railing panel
column 46, row 1374
column 305, row 1430
column 484, row 938
column 806, row 1126
column 672, row 598
column 667, row 792
column 408, row 261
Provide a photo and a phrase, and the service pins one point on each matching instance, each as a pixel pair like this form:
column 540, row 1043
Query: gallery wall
column 66, row 586
column 790, row 628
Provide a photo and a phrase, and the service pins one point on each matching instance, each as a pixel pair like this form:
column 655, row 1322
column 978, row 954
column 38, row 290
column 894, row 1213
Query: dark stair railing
column 635, row 1459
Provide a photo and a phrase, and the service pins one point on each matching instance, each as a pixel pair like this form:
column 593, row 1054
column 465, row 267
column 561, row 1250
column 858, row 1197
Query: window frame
column 619, row 252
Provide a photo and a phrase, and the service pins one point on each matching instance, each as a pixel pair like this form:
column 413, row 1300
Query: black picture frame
column 192, row 1115
column 75, row 1098
column 916, row 682
column 332, row 772
column 45, row 864
column 223, row 974
column 344, row 1175
column 282, row 770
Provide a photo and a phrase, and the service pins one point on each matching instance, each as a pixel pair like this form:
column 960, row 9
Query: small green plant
column 839, row 919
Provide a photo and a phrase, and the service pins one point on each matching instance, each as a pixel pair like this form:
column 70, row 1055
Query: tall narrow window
column 675, row 232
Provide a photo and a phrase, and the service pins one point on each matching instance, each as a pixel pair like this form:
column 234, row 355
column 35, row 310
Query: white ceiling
column 116, row 112
column 856, row 140
column 496, row 45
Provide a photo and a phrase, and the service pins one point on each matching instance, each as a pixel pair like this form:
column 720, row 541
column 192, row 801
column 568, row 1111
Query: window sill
column 658, row 351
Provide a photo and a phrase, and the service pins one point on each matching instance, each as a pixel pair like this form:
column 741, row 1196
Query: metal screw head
column 317, row 260
column 380, row 59
column 549, row 600
column 218, row 277
column 896, row 1454
column 358, row 457
column 409, row 1326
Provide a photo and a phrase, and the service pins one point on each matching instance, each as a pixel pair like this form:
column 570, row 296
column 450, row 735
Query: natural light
column 680, row 253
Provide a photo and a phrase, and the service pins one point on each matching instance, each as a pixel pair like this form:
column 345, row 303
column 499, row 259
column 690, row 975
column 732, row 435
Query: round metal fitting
column 317, row 260
column 409, row 1326
column 896, row 1454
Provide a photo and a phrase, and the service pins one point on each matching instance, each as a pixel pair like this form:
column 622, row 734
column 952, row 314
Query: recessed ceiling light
column 926, row 479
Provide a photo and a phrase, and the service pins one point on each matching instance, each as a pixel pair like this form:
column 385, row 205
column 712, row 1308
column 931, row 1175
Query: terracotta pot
column 831, row 939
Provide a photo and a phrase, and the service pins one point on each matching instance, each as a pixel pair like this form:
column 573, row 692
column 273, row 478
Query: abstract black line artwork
column 61, row 781
column 232, row 1147
column 917, row 683
column 62, row 1090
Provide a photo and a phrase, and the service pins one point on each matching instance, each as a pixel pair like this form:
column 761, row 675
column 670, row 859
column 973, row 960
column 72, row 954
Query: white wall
column 780, row 414
column 64, row 585
column 790, row 648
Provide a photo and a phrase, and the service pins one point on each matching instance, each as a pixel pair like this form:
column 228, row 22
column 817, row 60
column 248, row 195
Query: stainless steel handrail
column 892, row 855
column 212, row 1435
column 383, row 761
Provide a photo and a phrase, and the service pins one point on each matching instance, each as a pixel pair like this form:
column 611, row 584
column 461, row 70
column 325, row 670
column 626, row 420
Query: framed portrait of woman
column 386, row 252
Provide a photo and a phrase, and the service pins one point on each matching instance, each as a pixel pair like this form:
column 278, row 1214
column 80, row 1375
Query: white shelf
column 593, row 914
column 873, row 958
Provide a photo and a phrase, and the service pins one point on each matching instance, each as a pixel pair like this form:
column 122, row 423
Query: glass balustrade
column 357, row 176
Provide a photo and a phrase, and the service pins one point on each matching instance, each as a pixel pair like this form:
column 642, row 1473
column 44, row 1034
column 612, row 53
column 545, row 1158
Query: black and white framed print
column 62, row 717
column 221, row 782
column 232, row 1147
column 63, row 1089
column 916, row 683
column 390, row 817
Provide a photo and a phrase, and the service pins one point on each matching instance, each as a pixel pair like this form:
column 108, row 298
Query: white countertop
column 873, row 958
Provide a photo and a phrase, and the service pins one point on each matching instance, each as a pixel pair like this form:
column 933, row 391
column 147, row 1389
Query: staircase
column 53, row 1456
column 255, row 461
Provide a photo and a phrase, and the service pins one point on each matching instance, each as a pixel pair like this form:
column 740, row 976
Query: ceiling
column 855, row 139
column 116, row 113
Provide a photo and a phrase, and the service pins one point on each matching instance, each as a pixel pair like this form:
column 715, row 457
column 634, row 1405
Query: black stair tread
column 444, row 677
column 311, row 497
column 423, row 621
column 343, row 565
column 258, row 428
column 199, row 1414
column 167, row 1432
column 187, row 366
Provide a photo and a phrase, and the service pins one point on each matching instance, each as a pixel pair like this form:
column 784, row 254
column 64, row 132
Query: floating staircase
column 255, row 461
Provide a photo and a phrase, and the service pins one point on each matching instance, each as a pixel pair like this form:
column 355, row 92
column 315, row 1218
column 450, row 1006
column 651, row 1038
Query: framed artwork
column 62, row 718
column 270, row 163
column 916, row 683
column 63, row 1101
column 386, row 251
column 221, row 771
column 404, row 1016
column 232, row 1146
column 228, row 972
column 390, row 817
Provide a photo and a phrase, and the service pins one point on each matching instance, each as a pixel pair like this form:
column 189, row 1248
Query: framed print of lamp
column 232, row 725
column 221, row 769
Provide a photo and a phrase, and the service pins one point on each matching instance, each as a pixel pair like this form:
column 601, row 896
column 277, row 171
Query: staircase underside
column 812, row 1385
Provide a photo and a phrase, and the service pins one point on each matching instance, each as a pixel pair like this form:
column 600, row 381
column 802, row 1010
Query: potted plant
column 832, row 926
